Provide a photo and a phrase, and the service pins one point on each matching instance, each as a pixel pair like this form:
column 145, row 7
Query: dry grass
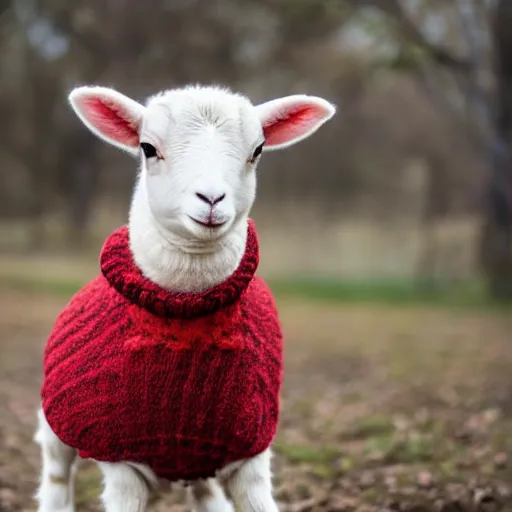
column 354, row 247
column 301, row 241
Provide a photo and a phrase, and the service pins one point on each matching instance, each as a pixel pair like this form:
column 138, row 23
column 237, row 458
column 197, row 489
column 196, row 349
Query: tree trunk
column 497, row 239
column 81, row 187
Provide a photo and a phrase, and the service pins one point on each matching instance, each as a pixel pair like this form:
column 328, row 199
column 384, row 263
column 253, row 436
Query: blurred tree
column 474, row 65
column 497, row 239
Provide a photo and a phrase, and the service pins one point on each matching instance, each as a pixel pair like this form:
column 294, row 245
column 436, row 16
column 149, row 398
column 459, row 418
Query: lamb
column 168, row 366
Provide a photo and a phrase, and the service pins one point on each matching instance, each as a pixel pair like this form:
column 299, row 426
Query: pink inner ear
column 112, row 120
column 291, row 123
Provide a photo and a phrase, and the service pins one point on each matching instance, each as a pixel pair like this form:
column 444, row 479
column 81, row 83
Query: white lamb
column 189, row 233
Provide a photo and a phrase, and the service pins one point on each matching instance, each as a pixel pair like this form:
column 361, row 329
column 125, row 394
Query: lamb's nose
column 211, row 200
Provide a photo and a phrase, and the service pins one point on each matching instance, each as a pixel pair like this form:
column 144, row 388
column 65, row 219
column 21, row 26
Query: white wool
column 207, row 136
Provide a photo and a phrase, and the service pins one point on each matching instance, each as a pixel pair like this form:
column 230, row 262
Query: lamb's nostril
column 219, row 199
column 209, row 199
column 203, row 198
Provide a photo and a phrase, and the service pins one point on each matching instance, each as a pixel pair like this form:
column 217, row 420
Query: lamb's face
column 199, row 148
column 199, row 155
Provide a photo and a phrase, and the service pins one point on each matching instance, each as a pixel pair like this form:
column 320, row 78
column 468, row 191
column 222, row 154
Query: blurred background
column 410, row 181
column 386, row 236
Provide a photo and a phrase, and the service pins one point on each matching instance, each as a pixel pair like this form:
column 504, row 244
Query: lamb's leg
column 250, row 485
column 126, row 487
column 208, row 496
column 56, row 489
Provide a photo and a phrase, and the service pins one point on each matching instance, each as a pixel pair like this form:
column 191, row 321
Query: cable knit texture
column 183, row 382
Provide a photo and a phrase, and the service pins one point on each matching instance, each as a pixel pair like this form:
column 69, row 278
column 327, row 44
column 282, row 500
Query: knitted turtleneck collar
column 118, row 267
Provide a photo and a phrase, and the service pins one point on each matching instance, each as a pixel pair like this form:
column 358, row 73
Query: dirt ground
column 383, row 408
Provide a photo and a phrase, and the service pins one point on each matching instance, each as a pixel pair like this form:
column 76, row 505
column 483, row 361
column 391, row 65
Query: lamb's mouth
column 210, row 224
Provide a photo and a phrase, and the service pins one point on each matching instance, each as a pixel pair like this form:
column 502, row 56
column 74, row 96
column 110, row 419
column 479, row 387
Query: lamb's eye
column 148, row 149
column 257, row 153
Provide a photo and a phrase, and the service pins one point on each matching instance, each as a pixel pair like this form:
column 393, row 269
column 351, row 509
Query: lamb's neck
column 161, row 259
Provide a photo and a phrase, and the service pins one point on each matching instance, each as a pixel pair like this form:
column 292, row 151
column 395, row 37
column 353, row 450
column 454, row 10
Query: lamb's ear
column 291, row 119
column 110, row 115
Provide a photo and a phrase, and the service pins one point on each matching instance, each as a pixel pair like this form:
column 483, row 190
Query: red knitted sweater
column 185, row 383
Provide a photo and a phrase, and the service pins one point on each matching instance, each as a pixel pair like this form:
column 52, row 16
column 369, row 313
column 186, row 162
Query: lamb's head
column 199, row 148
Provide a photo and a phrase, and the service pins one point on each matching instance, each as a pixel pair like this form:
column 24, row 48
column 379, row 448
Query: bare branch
column 478, row 44
column 410, row 33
